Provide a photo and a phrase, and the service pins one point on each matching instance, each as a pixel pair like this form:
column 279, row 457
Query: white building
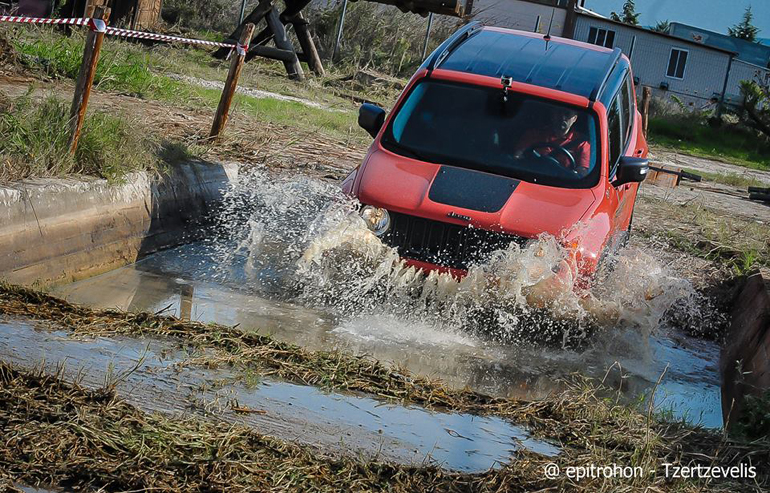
column 697, row 74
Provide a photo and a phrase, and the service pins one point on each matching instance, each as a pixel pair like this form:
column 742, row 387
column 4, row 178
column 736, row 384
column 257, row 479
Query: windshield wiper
column 410, row 152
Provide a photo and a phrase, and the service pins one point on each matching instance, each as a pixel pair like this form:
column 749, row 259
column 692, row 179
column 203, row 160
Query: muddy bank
column 99, row 431
column 60, row 230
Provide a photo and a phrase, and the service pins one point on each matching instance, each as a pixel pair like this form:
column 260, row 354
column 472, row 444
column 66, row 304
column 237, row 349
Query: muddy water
column 292, row 259
column 151, row 375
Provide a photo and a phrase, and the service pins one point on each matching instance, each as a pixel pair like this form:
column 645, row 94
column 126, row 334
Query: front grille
column 444, row 244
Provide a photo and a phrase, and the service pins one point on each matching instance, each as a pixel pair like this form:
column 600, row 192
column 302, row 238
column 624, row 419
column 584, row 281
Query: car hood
column 463, row 196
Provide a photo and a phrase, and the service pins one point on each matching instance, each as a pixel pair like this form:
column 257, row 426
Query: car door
column 615, row 140
column 622, row 142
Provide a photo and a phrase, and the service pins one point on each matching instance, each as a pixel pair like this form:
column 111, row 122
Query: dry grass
column 96, row 432
column 739, row 244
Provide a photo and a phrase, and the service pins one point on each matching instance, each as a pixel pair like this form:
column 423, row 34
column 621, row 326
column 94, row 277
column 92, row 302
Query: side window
column 627, row 110
column 615, row 134
column 676, row 63
column 601, row 37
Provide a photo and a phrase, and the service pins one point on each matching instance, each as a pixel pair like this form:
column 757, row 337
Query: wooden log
column 455, row 8
column 85, row 79
column 254, row 17
column 759, row 196
column 306, row 43
column 293, row 68
column 270, row 52
column 220, row 119
column 759, row 190
column 293, row 8
column 646, row 96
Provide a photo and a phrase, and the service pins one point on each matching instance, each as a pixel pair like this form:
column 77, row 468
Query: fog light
column 376, row 219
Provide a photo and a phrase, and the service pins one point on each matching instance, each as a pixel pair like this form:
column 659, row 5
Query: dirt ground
column 250, row 141
column 285, row 148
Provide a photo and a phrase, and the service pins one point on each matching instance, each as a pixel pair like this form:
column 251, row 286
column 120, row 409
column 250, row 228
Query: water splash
column 303, row 239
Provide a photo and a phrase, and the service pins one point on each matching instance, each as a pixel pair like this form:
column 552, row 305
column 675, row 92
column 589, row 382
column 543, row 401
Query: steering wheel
column 532, row 150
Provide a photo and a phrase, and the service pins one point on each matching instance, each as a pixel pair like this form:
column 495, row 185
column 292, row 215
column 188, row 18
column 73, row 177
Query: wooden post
column 220, row 119
column 646, row 95
column 306, row 43
column 86, row 79
column 281, row 40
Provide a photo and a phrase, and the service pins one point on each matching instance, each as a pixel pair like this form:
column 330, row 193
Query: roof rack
column 448, row 46
column 614, row 59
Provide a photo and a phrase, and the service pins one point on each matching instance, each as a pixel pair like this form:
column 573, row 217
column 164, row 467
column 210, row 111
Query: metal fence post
column 339, row 30
column 243, row 12
column 427, row 36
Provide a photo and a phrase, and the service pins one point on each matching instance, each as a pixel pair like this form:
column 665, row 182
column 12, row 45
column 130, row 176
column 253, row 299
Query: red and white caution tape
column 40, row 20
column 99, row 26
column 127, row 33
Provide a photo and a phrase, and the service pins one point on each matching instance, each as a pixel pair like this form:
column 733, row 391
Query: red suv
column 499, row 137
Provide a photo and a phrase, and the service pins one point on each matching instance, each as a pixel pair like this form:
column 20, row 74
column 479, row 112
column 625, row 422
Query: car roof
column 552, row 62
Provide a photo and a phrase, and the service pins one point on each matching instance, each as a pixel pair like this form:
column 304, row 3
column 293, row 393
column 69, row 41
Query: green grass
column 739, row 244
column 728, row 142
column 36, row 142
column 136, row 70
column 732, row 179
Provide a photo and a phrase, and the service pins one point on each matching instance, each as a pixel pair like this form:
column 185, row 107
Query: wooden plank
column 663, row 179
column 646, row 96
column 85, row 79
column 293, row 68
column 223, row 110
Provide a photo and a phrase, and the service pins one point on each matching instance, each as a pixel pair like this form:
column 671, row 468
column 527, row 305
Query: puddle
column 332, row 422
column 178, row 282
column 292, row 259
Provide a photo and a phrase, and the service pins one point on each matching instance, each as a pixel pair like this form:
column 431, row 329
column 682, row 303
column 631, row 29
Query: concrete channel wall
column 745, row 358
column 54, row 231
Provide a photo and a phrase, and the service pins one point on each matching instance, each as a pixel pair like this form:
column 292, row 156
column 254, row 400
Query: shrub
column 35, row 137
column 377, row 36
column 213, row 15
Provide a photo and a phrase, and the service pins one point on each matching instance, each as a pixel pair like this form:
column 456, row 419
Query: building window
column 676, row 63
column 601, row 37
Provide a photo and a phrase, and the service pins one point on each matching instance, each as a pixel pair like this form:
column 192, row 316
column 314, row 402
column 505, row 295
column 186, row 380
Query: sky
column 714, row 15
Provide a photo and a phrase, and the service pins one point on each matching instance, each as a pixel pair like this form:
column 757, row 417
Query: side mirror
column 370, row 118
column 631, row 170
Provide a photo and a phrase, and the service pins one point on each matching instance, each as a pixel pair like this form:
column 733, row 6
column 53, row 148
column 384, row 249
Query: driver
column 555, row 137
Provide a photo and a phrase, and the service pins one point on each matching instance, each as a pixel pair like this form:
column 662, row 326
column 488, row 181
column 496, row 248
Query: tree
column 756, row 103
column 745, row 30
column 629, row 15
column 661, row 26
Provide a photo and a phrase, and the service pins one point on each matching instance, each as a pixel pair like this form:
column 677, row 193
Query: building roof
column 746, row 50
column 671, row 37
column 557, row 63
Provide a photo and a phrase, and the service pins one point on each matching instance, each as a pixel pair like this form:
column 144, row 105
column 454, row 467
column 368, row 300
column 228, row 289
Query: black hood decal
column 471, row 189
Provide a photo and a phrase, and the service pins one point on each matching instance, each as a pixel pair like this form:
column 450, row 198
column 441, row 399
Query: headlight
column 376, row 219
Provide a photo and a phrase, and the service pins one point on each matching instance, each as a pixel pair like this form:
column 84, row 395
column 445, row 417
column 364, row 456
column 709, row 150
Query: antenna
column 547, row 36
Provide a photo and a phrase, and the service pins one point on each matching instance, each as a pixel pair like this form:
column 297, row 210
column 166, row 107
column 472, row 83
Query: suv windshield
column 476, row 127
